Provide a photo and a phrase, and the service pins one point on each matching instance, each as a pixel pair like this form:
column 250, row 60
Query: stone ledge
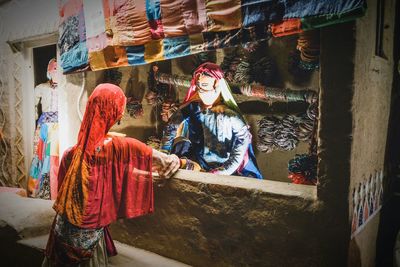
column 29, row 217
column 38, row 242
column 272, row 187
column 131, row 256
column 212, row 220
column 127, row 255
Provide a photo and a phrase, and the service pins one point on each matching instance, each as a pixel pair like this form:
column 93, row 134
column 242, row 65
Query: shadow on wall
column 135, row 88
column 388, row 228
column 354, row 259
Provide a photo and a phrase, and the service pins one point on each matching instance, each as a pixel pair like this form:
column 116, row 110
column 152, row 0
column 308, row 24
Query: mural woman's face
column 208, row 90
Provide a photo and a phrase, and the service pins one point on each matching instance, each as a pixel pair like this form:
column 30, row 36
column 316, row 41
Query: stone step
column 127, row 255
column 24, row 227
column 28, row 217
column 130, row 256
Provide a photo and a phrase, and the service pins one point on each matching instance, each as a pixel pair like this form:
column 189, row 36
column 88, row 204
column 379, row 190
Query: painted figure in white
column 361, row 205
column 354, row 223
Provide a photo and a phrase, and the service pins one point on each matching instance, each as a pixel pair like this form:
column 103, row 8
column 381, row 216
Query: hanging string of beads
column 134, row 108
column 303, row 169
column 241, row 66
column 308, row 45
column 230, row 65
column 284, row 133
column 307, row 123
column 305, row 58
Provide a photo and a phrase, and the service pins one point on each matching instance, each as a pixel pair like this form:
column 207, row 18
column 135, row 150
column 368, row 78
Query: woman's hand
column 165, row 165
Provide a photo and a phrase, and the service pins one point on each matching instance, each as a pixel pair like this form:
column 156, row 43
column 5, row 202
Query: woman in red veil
column 102, row 178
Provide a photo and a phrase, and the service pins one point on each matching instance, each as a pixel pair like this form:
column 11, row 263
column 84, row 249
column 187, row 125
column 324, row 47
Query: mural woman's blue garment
column 219, row 138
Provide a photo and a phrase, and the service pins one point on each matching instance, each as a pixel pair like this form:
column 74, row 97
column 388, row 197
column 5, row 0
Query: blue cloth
column 135, row 55
column 36, row 166
column 220, row 140
column 307, row 8
column 48, row 117
column 153, row 9
column 261, row 12
column 75, row 58
column 176, row 47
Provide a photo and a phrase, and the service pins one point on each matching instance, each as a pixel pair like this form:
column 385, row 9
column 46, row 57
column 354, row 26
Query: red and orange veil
column 101, row 181
column 216, row 72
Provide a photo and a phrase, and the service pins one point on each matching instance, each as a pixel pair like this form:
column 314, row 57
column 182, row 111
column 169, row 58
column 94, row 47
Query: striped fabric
column 102, row 34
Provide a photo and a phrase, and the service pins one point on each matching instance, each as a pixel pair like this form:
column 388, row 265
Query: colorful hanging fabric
column 303, row 169
column 42, row 182
column 103, row 34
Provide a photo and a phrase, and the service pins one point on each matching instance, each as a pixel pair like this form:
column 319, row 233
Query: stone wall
column 5, row 124
column 224, row 222
column 334, row 137
column 373, row 77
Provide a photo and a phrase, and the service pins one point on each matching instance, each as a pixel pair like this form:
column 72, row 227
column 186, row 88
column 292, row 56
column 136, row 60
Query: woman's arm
column 166, row 165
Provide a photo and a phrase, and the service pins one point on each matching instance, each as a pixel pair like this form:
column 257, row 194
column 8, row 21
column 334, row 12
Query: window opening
column 281, row 97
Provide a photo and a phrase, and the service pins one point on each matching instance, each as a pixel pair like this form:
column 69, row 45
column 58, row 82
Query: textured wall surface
column 5, row 127
column 25, row 19
column 373, row 76
column 21, row 20
column 335, row 130
column 216, row 225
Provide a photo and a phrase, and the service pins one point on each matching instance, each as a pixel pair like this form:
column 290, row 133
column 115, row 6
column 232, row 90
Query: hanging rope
column 263, row 92
column 78, row 108
column 172, row 79
column 278, row 94
column 277, row 134
column 302, row 169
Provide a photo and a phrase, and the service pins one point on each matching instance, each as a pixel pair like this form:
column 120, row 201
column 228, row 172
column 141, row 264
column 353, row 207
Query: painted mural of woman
column 361, row 207
column 42, row 182
column 208, row 131
column 354, row 223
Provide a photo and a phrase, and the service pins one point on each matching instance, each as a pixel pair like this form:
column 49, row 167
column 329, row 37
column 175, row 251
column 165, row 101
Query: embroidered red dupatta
column 102, row 179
